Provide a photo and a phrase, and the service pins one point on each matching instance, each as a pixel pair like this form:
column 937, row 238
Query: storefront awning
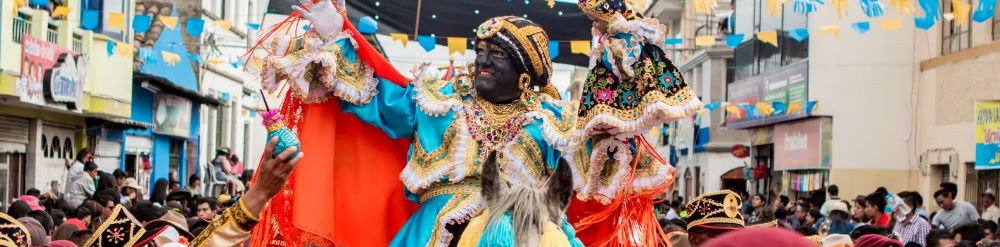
column 118, row 123
column 169, row 87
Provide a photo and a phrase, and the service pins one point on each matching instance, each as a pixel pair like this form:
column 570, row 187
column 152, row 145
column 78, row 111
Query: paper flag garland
column 140, row 23
column 226, row 25
column 367, row 25
column 427, row 42
column 779, row 107
column 195, row 26
column 400, row 37
column 116, row 20
column 932, row 14
column 124, row 49
column 903, row 6
column 704, row 6
column 704, row 41
column 59, row 11
column 673, row 41
column 961, row 11
column 985, row 10
column 40, row 3
column 580, row 46
column 735, row 110
column 872, row 8
column 169, row 21
column 89, row 18
column 111, row 47
column 146, row 55
column 799, row 34
column 170, row 58
column 774, row 7
column 215, row 61
column 806, row 6
column 237, row 63
column 734, row 40
column 253, row 27
column 712, row 106
column 861, row 27
column 553, row 49
column 770, row 37
column 892, row 24
column 841, row 6
column 765, row 108
column 457, row 44
column 196, row 58
column 831, row 30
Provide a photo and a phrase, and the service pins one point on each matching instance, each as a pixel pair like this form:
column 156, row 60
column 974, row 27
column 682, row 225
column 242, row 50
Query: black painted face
column 496, row 77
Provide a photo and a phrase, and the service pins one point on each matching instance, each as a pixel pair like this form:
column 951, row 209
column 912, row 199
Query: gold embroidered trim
column 425, row 167
column 460, row 208
column 650, row 111
column 466, row 186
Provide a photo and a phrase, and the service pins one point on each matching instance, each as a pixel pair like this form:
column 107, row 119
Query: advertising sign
column 172, row 115
column 37, row 58
column 987, row 135
column 789, row 84
column 64, row 82
column 802, row 144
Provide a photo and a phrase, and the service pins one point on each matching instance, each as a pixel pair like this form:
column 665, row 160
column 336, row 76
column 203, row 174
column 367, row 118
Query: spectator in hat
column 713, row 214
column 130, row 191
column 990, row 210
column 35, row 230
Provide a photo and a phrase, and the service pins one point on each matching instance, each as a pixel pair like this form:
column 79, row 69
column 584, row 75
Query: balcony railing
column 22, row 25
column 77, row 43
column 52, row 34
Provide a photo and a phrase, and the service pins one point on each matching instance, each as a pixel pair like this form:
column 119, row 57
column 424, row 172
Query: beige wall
column 853, row 181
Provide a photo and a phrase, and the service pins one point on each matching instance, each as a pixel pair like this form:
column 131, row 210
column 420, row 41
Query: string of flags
column 738, row 111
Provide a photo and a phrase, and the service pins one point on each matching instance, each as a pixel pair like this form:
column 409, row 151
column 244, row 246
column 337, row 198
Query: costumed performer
column 502, row 102
column 631, row 87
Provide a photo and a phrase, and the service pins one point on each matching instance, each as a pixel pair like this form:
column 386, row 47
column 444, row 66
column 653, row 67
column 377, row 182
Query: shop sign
column 38, row 58
column 987, row 135
column 172, row 115
column 740, row 151
column 803, row 144
column 789, row 84
column 64, row 82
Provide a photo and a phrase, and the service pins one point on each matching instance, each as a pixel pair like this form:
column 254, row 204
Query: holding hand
column 325, row 18
column 272, row 176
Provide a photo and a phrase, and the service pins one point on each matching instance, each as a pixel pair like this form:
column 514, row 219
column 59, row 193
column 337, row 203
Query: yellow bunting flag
column 704, row 6
column 961, row 11
column 770, row 37
column 170, row 58
column 17, row 5
column 831, row 30
column 704, row 41
column 116, row 20
column 795, row 107
column 774, row 6
column 215, row 61
column 169, row 21
column 61, row 11
column 841, row 6
column 223, row 24
column 457, row 44
column 401, row 37
column 765, row 108
column 580, row 46
column 124, row 49
column 892, row 24
column 903, row 6
column 735, row 110
column 948, row 16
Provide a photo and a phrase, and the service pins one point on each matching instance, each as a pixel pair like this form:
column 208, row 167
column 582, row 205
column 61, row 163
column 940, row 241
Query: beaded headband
column 528, row 44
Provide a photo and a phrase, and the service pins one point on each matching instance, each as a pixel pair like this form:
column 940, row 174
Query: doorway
column 733, row 180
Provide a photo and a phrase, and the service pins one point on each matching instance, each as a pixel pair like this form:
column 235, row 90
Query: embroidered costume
column 631, row 87
column 452, row 129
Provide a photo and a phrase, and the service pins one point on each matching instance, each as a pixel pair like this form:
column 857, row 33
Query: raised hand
column 272, row 176
column 325, row 18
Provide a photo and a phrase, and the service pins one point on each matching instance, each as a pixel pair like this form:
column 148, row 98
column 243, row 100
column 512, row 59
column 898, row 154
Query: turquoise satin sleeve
column 392, row 109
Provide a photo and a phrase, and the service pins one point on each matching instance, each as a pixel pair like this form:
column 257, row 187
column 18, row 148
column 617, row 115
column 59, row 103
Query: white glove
column 325, row 18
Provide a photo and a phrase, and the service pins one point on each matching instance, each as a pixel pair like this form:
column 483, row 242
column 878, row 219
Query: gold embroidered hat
column 12, row 232
column 120, row 230
column 606, row 10
column 524, row 40
column 715, row 210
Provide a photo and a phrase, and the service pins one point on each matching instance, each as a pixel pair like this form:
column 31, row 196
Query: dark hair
column 81, row 212
column 89, row 166
column 944, row 193
column 212, row 202
column 766, row 214
column 146, row 211
column 806, row 230
column 33, row 192
column 81, row 235
column 989, row 224
column 82, row 153
column 876, row 199
column 159, row 194
column 233, row 158
column 882, row 190
column 118, row 173
column 780, row 213
column 761, row 196
column 869, row 229
column 815, row 214
column 57, row 217
column 43, row 218
column 96, row 209
column 912, row 244
column 193, row 178
column 18, row 209
column 833, row 190
column 104, row 196
column 784, row 199
column 972, row 232
column 105, row 181
column 951, row 187
column 935, row 236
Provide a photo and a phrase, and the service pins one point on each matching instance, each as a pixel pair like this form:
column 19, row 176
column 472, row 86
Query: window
column 56, row 148
column 45, row 147
column 68, row 148
column 953, row 37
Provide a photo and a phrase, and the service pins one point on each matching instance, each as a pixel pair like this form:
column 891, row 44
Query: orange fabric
column 345, row 191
